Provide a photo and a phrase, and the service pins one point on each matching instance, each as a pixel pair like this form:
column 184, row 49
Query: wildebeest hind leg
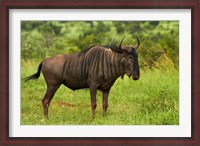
column 48, row 97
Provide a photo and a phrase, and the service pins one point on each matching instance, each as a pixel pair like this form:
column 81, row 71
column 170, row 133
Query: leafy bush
column 40, row 39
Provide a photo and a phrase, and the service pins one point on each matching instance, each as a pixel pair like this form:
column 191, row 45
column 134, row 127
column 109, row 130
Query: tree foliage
column 159, row 39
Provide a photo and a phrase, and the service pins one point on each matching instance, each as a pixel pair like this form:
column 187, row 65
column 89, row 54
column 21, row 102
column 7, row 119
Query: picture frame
column 89, row 4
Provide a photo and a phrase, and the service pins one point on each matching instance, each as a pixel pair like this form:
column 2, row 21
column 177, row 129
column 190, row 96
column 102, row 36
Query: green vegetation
column 152, row 100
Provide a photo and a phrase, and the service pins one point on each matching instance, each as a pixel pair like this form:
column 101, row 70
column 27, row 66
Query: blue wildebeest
column 95, row 68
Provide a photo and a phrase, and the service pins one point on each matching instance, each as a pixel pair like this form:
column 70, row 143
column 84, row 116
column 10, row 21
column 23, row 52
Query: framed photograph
column 136, row 63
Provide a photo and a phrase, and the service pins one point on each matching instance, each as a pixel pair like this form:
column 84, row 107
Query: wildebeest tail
column 34, row 76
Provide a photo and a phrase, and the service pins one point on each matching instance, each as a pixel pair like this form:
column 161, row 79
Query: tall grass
column 152, row 100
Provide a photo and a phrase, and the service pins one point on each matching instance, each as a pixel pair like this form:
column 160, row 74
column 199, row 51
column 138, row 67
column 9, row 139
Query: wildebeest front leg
column 48, row 97
column 93, row 91
column 105, row 101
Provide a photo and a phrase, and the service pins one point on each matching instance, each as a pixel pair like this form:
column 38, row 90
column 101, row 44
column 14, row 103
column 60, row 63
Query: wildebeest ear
column 120, row 43
column 112, row 44
column 117, row 48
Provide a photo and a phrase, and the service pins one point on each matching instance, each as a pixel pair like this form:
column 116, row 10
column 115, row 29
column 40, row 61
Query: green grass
column 152, row 100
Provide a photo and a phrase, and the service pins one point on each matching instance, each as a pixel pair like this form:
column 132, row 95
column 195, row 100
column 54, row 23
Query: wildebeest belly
column 75, row 84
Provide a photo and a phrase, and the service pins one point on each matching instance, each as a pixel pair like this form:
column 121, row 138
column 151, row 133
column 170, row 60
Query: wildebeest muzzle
column 136, row 76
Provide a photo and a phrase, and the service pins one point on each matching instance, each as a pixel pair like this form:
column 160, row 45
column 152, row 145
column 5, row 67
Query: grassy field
column 152, row 100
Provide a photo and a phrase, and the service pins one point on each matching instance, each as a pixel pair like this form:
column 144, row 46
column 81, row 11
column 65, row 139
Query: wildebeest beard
column 96, row 68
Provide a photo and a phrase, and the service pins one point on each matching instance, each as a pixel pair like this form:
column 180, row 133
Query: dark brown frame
column 194, row 5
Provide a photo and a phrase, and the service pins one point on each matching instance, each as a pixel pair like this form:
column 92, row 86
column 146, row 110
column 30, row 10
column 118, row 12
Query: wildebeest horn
column 138, row 43
column 120, row 43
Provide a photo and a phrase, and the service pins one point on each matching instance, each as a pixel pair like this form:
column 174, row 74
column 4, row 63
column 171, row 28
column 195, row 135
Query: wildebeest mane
column 85, row 50
column 107, row 46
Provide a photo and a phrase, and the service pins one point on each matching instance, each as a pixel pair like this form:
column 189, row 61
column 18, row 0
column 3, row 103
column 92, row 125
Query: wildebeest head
column 130, row 59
